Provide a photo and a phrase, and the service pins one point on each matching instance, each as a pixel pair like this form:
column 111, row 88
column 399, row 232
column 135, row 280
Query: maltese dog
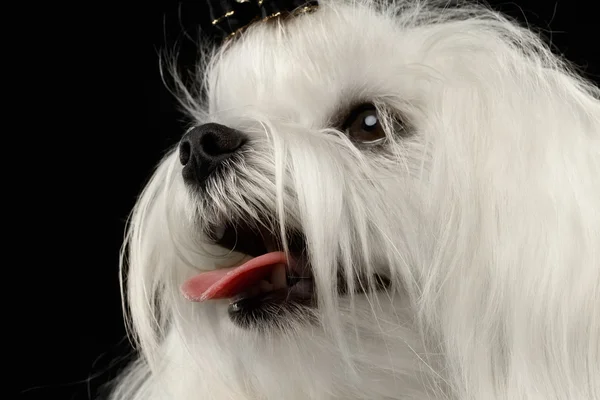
column 373, row 201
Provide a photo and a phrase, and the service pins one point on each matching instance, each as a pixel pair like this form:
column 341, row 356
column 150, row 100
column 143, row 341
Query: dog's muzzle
column 275, row 283
column 204, row 148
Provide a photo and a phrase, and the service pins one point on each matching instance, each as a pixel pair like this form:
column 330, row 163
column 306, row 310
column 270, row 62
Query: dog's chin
column 287, row 294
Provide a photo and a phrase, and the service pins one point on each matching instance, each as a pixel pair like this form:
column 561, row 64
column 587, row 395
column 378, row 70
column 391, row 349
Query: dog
column 373, row 201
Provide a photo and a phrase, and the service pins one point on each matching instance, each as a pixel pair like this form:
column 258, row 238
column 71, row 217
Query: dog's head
column 353, row 194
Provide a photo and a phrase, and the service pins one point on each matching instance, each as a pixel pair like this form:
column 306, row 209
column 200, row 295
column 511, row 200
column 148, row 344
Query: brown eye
column 363, row 125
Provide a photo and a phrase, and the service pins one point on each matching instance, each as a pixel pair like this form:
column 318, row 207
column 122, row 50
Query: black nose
column 205, row 147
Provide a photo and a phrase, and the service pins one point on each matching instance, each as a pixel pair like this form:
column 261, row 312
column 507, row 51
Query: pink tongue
column 228, row 282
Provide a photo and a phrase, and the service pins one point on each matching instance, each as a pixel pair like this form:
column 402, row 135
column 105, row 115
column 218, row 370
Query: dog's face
column 332, row 221
column 309, row 150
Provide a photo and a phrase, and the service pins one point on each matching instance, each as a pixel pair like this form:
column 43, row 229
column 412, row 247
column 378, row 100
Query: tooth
column 219, row 232
column 303, row 286
column 265, row 286
column 278, row 277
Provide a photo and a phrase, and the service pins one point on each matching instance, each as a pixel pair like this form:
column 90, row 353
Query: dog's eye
column 363, row 125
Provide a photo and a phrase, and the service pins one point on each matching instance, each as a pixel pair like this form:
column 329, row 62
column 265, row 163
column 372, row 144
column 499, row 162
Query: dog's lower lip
column 301, row 287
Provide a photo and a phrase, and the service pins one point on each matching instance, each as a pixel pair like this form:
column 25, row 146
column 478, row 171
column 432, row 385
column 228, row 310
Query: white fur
column 487, row 217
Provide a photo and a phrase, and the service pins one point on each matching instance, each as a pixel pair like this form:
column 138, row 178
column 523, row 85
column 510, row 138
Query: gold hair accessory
column 230, row 17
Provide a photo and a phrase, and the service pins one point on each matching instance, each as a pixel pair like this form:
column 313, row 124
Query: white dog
column 374, row 201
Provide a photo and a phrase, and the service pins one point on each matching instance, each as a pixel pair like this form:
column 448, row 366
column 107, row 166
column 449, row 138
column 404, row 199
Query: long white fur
column 487, row 216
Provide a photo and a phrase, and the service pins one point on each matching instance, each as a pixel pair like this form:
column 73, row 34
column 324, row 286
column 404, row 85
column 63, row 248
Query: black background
column 107, row 120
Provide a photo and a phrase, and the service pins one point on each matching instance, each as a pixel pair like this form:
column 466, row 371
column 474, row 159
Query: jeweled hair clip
column 230, row 17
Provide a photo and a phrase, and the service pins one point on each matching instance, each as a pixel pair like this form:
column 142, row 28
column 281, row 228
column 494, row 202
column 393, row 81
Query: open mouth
column 270, row 285
column 266, row 287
